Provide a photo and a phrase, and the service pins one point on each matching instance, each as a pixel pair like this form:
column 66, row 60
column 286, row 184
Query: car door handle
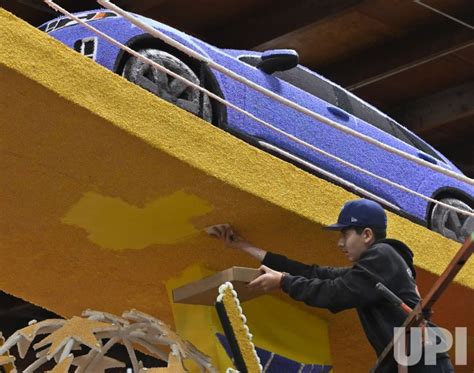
column 339, row 113
column 427, row 158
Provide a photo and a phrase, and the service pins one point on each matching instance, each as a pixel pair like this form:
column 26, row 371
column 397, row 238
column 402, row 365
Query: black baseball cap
column 360, row 213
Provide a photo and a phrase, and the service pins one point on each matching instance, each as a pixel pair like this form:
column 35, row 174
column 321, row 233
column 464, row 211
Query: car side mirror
column 278, row 60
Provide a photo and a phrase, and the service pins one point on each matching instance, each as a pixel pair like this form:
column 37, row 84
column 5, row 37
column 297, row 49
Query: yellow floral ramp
column 105, row 191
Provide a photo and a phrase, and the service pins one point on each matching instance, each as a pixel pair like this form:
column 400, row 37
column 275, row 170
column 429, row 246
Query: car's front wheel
column 165, row 86
column 452, row 224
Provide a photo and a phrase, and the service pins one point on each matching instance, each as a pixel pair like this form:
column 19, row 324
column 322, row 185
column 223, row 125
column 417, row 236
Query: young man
column 362, row 225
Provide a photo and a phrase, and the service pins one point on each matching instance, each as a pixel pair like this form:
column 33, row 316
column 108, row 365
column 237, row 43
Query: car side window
column 337, row 96
column 406, row 136
column 303, row 79
column 331, row 93
column 388, row 125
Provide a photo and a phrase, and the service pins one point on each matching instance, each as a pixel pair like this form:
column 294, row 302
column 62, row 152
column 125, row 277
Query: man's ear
column 368, row 235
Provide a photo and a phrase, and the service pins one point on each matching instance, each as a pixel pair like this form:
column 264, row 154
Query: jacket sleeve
column 355, row 288
column 283, row 264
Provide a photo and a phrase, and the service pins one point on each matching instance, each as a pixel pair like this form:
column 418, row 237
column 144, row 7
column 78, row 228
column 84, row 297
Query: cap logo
column 353, row 220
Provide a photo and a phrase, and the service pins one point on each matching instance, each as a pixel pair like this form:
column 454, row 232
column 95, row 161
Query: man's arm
column 283, row 264
column 356, row 288
column 233, row 240
column 255, row 252
column 275, row 261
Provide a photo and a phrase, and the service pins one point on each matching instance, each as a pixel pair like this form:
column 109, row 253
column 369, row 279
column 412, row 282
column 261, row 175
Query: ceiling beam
column 435, row 110
column 42, row 7
column 386, row 60
column 274, row 21
column 140, row 7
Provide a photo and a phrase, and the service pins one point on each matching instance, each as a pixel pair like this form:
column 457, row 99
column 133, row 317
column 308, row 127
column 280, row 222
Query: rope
column 250, row 115
column 419, row 2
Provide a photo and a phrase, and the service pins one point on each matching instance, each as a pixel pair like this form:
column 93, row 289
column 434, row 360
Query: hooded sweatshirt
column 339, row 288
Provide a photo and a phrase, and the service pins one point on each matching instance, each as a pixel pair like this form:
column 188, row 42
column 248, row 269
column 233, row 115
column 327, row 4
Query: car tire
column 452, row 224
column 165, row 86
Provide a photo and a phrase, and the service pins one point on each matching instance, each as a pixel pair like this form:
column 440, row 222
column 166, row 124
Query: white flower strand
column 222, row 289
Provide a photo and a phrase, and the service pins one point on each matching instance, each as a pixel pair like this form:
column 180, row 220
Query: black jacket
column 387, row 261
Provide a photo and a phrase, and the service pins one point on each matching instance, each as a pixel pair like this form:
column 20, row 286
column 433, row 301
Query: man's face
column 353, row 244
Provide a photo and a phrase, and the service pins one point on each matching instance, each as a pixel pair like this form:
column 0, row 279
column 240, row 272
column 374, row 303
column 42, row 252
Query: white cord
column 419, row 2
column 250, row 115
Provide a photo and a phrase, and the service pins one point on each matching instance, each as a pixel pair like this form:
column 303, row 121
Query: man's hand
column 268, row 281
column 227, row 234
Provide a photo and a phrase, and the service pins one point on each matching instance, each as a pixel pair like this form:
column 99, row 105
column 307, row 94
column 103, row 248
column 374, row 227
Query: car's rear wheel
column 165, row 86
column 452, row 224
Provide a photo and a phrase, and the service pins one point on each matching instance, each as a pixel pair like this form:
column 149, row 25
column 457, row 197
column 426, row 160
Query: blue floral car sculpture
column 279, row 72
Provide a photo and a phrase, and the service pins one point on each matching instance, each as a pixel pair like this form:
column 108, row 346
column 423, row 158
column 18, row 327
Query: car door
column 320, row 96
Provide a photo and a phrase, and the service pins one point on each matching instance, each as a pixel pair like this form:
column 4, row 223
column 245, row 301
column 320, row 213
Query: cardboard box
column 205, row 291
